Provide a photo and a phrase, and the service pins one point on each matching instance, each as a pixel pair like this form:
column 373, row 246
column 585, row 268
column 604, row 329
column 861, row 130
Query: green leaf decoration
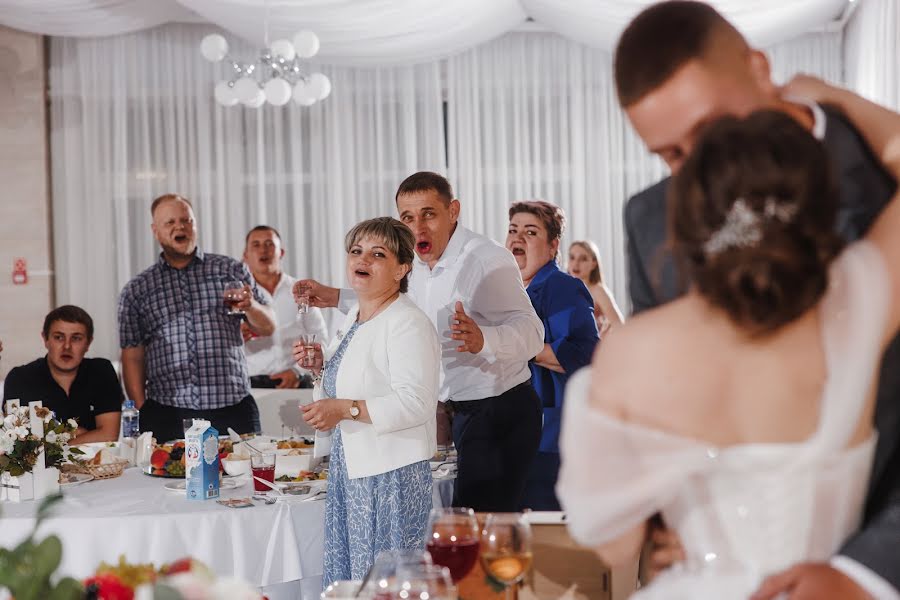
column 67, row 589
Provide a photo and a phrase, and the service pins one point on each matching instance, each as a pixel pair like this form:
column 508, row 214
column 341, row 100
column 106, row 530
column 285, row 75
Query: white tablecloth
column 278, row 547
column 134, row 515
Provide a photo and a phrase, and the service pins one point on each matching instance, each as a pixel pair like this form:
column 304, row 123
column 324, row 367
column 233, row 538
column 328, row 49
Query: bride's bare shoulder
column 630, row 359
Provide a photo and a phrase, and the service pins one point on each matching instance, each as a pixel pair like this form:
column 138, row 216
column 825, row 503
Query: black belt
column 468, row 407
column 465, row 407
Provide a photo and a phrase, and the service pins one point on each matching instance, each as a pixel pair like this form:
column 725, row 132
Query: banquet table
column 278, row 548
column 136, row 516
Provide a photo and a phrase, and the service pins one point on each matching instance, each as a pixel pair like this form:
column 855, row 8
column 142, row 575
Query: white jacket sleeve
column 414, row 362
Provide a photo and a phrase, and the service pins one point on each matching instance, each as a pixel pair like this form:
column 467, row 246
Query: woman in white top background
column 584, row 263
column 376, row 394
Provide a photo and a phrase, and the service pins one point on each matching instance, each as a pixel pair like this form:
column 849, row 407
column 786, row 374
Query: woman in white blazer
column 376, row 397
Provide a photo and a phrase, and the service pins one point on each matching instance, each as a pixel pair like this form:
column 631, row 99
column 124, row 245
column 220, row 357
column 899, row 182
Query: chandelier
column 275, row 77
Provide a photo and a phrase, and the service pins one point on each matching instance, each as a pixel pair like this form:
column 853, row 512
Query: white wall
column 24, row 205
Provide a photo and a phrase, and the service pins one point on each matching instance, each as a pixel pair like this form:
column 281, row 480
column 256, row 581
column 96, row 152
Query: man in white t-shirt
column 269, row 358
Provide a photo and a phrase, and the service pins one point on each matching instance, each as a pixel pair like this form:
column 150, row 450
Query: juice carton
column 201, row 461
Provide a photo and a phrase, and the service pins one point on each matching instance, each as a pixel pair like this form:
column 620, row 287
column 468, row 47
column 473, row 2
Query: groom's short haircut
column 662, row 39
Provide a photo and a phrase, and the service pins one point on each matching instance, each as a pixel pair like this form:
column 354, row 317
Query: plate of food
column 69, row 480
column 167, row 460
column 295, row 444
column 305, row 477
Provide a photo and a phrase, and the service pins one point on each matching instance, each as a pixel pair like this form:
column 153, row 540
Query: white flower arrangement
column 20, row 446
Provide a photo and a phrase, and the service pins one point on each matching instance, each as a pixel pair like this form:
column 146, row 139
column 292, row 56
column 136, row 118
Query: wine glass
column 506, row 548
column 425, row 581
column 233, row 294
column 452, row 539
column 381, row 580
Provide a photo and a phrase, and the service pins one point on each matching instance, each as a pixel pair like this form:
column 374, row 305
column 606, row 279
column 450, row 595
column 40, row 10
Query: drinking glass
column 506, row 548
column 309, row 343
column 343, row 590
column 302, row 300
column 381, row 581
column 452, row 539
column 233, row 294
column 262, row 465
column 425, row 581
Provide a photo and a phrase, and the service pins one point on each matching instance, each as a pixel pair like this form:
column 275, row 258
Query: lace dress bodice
column 744, row 511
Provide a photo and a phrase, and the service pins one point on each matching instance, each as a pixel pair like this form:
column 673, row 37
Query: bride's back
column 687, row 369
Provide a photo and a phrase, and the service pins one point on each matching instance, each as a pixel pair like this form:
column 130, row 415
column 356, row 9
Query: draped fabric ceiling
column 385, row 32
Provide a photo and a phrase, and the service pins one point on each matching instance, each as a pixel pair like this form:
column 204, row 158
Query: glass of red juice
column 263, row 466
column 452, row 539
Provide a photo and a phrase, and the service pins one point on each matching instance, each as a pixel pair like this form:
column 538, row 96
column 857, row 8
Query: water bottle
column 130, row 420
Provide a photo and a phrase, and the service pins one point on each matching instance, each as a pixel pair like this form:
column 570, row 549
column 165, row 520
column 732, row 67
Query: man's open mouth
column 181, row 238
column 423, row 246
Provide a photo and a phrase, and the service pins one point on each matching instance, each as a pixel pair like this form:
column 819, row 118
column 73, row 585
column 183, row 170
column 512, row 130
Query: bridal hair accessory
column 743, row 226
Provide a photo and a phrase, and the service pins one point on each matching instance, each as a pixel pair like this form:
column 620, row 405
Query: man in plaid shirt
column 182, row 353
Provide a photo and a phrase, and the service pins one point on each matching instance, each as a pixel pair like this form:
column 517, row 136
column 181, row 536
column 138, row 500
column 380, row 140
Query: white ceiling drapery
column 384, row 32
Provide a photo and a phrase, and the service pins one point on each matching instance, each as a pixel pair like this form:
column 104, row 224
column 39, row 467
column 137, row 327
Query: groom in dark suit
column 680, row 65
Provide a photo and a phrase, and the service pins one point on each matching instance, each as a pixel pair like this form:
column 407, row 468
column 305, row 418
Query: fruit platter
column 167, row 460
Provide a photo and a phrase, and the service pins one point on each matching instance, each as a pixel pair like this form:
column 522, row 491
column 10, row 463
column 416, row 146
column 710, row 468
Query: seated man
column 72, row 386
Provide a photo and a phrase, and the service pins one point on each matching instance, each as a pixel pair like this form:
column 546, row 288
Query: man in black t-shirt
column 72, row 386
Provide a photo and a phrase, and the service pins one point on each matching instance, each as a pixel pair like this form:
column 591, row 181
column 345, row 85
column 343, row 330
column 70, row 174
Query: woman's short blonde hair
column 596, row 275
column 394, row 235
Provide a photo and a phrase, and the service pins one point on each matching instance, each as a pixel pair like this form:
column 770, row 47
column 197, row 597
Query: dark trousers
column 540, row 488
column 167, row 422
column 496, row 440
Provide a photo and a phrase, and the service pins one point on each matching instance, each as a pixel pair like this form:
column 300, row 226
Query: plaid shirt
column 194, row 353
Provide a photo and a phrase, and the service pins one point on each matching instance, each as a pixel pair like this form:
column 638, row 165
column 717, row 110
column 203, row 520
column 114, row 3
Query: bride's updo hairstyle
column 752, row 219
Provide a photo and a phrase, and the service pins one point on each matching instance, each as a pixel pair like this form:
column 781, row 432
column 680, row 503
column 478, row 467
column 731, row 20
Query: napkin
column 143, row 448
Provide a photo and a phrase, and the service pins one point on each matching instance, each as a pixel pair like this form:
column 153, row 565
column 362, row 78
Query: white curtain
column 872, row 51
column 132, row 117
column 535, row 116
column 527, row 116
column 380, row 32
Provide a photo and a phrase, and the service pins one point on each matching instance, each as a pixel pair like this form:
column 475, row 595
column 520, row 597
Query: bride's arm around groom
column 878, row 542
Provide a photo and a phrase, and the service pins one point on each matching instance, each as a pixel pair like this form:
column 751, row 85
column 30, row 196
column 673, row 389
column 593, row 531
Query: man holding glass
column 269, row 358
column 182, row 350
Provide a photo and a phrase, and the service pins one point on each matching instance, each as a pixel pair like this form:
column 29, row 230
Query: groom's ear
column 761, row 72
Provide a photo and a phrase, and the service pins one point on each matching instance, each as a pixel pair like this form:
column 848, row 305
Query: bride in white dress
column 743, row 411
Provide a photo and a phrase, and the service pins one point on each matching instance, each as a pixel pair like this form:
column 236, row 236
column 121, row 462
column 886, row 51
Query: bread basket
column 102, row 471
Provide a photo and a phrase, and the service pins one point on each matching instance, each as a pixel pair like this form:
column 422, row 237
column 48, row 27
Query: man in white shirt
column 269, row 358
column 471, row 289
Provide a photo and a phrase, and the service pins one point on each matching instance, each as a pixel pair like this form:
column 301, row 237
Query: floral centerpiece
column 20, row 446
column 33, row 443
column 184, row 579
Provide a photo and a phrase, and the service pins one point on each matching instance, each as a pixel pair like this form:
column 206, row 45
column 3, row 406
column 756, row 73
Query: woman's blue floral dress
column 368, row 515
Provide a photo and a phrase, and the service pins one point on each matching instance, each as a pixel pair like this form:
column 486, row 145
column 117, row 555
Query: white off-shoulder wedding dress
column 744, row 511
